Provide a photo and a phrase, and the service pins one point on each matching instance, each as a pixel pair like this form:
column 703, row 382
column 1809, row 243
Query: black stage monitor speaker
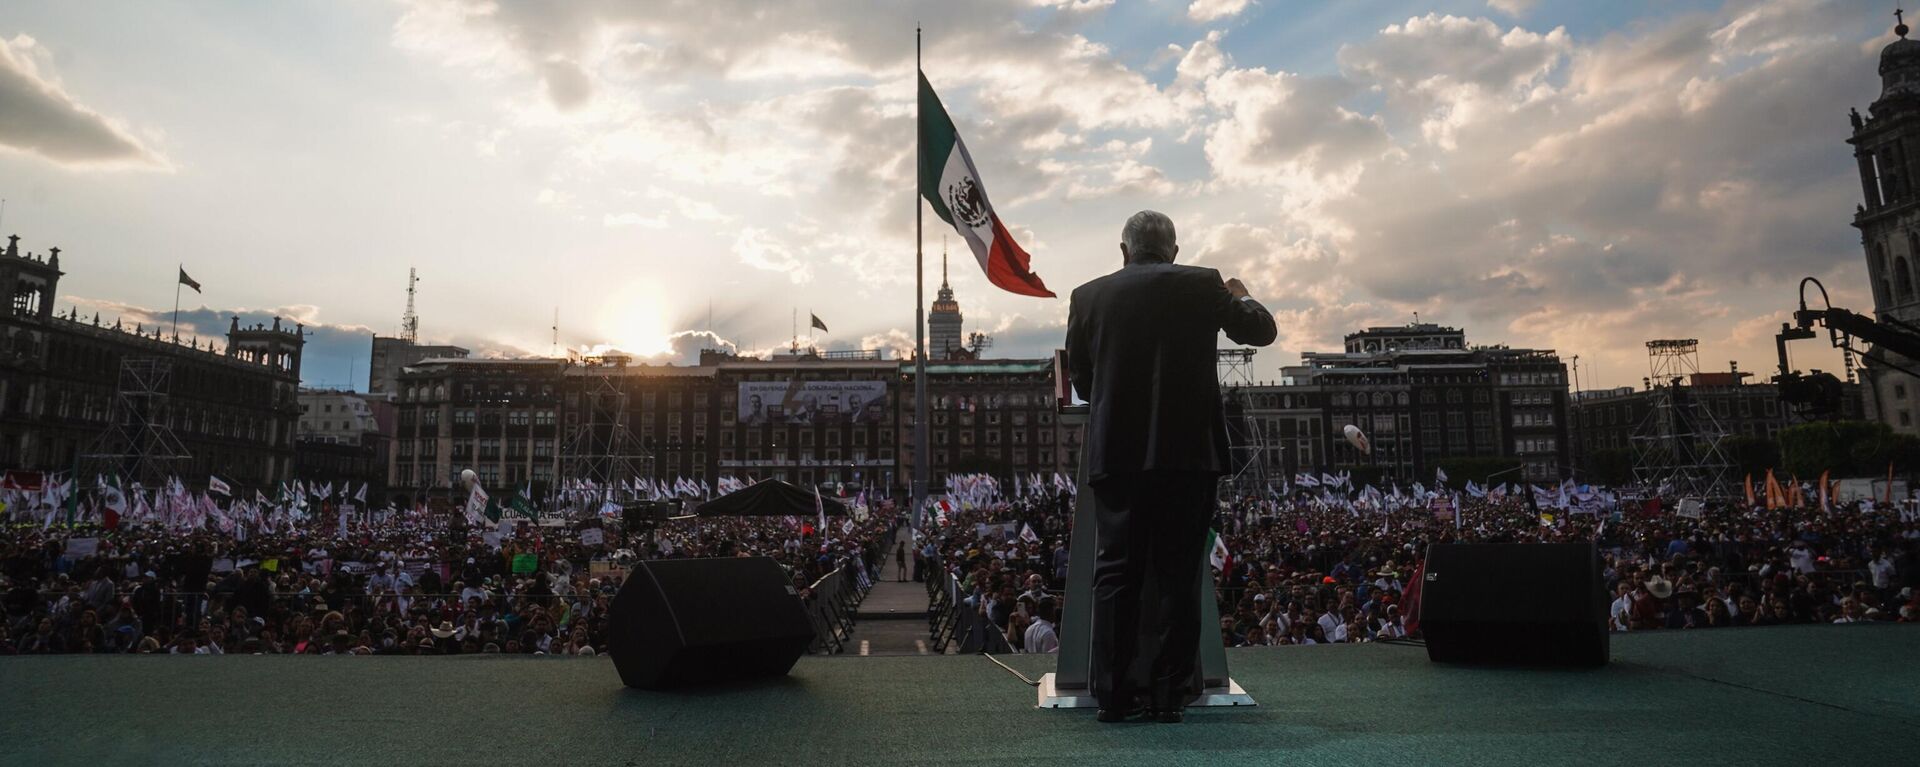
column 682, row 622
column 1517, row 603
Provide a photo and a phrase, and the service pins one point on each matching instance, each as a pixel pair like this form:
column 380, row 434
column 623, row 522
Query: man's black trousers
column 1151, row 533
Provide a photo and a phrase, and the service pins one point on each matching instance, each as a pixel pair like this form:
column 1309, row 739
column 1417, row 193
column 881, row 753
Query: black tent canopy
column 772, row 498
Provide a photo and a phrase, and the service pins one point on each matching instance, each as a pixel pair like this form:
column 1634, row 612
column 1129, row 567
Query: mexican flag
column 1217, row 552
column 113, row 502
column 951, row 184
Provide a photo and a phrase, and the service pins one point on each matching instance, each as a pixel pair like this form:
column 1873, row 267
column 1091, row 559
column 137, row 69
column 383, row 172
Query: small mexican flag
column 951, row 184
column 1217, row 552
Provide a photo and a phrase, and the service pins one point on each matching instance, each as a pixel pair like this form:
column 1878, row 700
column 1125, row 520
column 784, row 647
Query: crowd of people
column 411, row 583
column 1289, row 571
column 1303, row 570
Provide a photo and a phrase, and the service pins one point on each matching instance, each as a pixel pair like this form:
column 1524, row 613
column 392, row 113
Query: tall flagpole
column 176, row 301
column 922, row 471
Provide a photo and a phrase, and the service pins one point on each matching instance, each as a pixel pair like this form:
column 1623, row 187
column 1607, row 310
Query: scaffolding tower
column 1247, row 470
column 1677, row 445
column 601, row 448
column 138, row 444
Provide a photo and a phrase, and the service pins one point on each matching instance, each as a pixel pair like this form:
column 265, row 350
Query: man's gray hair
column 1148, row 236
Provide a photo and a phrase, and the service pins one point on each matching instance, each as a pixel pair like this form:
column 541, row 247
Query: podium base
column 1053, row 697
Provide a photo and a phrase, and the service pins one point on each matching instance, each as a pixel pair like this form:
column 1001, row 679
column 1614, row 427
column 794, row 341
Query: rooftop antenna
column 554, row 351
column 410, row 322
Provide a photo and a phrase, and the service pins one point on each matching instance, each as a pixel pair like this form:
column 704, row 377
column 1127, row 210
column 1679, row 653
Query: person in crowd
column 1303, row 572
column 1041, row 636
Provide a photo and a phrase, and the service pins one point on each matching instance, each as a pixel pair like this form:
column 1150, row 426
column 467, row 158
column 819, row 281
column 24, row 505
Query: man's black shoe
column 1111, row 715
column 1169, row 716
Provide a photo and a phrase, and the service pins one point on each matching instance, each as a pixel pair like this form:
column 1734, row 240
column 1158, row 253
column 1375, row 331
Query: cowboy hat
column 444, row 630
column 1660, row 587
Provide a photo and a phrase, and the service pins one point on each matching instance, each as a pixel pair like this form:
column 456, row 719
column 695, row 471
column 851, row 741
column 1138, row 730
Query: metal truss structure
column 600, row 447
column 1247, row 443
column 138, row 444
column 1677, row 445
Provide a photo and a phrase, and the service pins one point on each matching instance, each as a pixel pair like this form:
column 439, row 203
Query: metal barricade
column 830, row 609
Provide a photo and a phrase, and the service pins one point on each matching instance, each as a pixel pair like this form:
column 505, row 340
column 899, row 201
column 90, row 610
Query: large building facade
column 71, row 389
column 805, row 418
column 344, row 436
column 392, row 355
column 1886, row 146
column 1610, row 419
column 1422, row 396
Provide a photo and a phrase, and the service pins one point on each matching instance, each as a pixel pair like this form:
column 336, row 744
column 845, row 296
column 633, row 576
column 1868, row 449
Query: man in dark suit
column 1141, row 348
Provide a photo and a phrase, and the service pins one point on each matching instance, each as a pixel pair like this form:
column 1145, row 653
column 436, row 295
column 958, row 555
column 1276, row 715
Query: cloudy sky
column 1551, row 173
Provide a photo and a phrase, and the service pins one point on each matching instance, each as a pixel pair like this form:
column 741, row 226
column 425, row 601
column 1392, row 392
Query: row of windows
column 1537, row 378
column 1532, row 397
column 484, row 448
column 1535, row 445
column 468, row 416
column 1533, row 418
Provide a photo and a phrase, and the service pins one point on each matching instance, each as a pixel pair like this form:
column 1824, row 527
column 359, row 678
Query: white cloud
column 1539, row 188
column 761, row 250
column 1288, row 131
column 1204, row 11
column 38, row 116
column 1514, row 8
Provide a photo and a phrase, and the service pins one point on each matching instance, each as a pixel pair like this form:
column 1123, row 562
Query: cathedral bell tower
column 1884, row 143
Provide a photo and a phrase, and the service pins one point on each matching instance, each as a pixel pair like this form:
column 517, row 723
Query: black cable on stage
column 1023, row 677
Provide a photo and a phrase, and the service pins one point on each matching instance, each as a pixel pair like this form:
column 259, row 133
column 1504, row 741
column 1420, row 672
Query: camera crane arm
column 1889, row 334
column 1821, row 391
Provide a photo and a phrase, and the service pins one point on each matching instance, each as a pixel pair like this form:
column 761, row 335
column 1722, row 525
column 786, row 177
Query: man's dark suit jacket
column 1141, row 351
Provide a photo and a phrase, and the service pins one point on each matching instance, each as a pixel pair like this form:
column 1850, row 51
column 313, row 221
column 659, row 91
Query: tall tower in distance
column 1889, row 220
column 944, row 339
column 410, row 322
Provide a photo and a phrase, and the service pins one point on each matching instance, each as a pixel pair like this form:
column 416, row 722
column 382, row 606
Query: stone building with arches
column 1889, row 222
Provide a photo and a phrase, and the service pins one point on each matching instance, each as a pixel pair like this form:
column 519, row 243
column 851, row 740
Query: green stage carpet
column 1801, row 695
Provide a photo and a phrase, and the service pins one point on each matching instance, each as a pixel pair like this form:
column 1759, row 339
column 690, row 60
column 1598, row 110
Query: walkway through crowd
column 893, row 618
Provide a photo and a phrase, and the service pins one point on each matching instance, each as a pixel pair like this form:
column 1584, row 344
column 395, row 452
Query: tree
column 1904, row 451
column 1751, row 455
column 1611, row 466
column 1847, row 448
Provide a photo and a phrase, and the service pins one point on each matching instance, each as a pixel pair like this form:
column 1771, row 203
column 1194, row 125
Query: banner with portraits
column 765, row 403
